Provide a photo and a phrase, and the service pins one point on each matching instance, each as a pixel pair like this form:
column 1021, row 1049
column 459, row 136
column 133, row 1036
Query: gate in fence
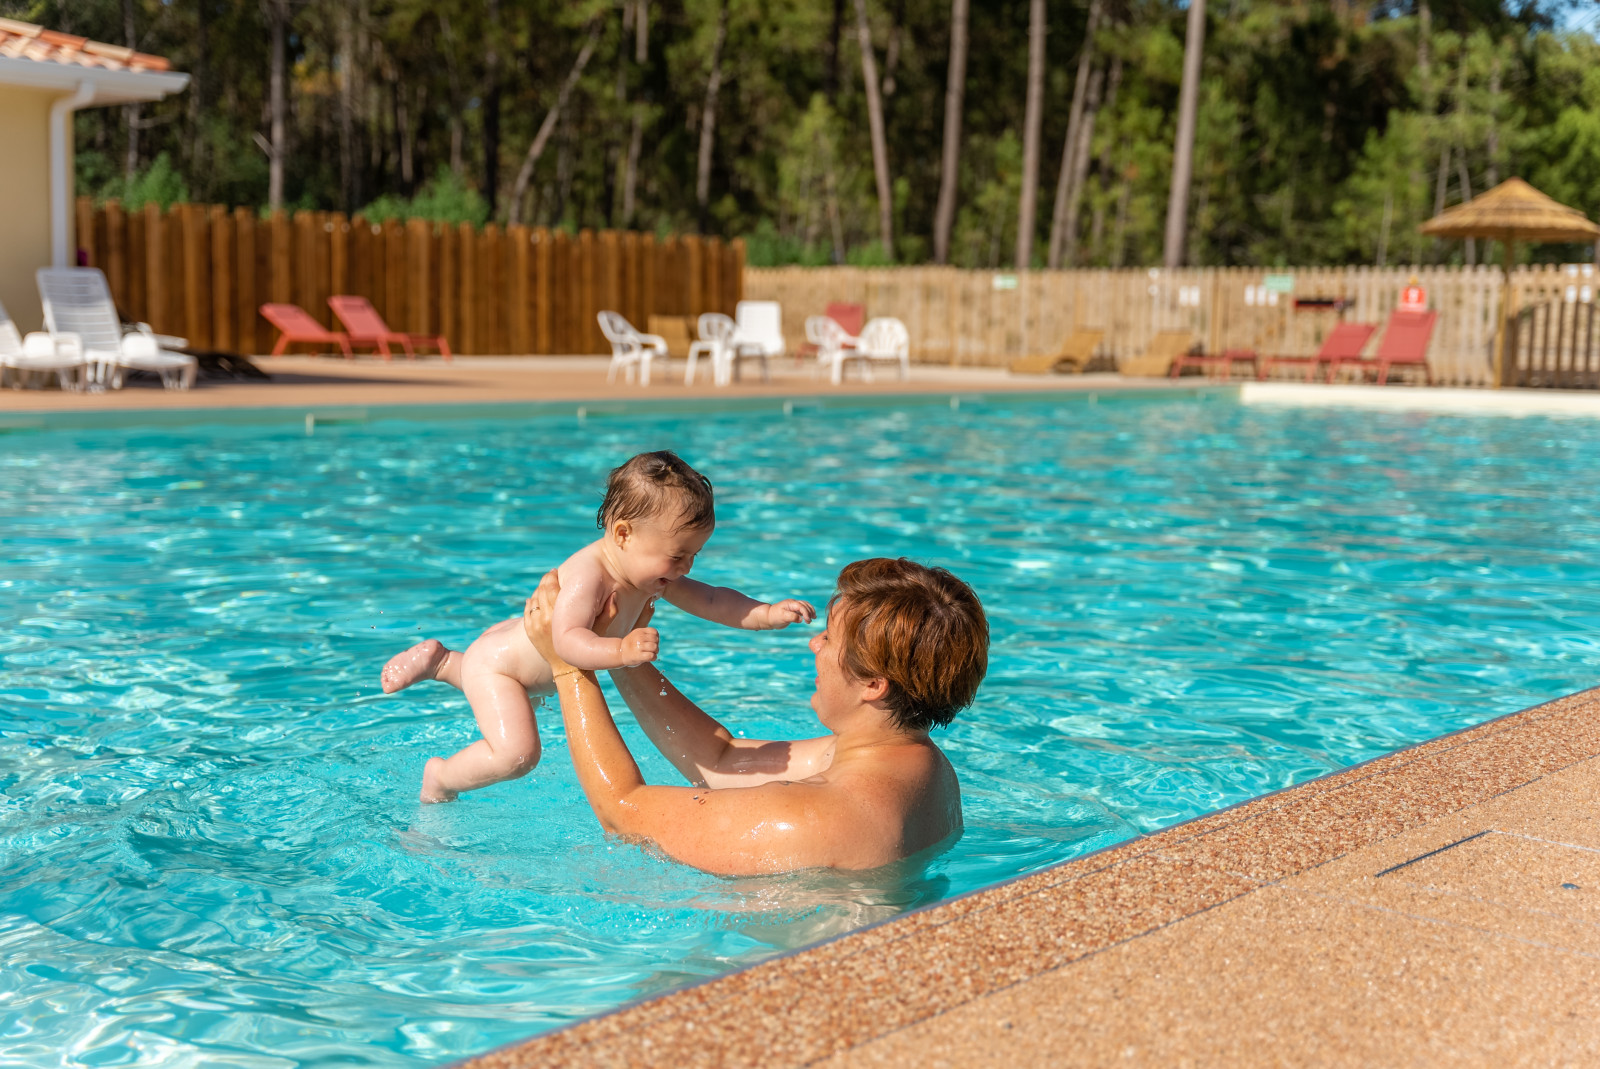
column 1556, row 345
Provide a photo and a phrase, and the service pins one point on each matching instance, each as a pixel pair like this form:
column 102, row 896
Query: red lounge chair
column 1224, row 360
column 1344, row 342
column 852, row 317
column 1405, row 344
column 296, row 325
column 367, row 327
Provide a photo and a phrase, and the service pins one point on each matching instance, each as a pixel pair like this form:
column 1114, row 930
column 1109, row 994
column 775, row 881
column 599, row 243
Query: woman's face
column 836, row 692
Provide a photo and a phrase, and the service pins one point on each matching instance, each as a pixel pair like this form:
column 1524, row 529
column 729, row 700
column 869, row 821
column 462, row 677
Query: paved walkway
column 1439, row 906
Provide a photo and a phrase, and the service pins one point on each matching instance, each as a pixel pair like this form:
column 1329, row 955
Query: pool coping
column 813, row 1003
column 1444, row 400
column 312, row 416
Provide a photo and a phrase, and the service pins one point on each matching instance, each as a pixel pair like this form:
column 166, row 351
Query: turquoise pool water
column 211, row 852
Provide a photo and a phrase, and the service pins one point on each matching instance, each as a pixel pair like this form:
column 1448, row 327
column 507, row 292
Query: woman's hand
column 536, row 613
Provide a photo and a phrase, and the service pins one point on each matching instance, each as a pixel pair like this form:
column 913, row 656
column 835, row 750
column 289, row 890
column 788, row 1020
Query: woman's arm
column 776, row 827
column 703, row 750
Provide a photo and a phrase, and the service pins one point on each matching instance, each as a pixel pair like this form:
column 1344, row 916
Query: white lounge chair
column 78, row 311
column 834, row 345
column 885, row 338
column 760, row 334
column 716, row 344
column 38, row 352
column 629, row 348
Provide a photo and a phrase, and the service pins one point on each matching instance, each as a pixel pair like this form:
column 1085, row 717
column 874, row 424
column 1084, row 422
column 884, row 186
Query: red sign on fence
column 1414, row 298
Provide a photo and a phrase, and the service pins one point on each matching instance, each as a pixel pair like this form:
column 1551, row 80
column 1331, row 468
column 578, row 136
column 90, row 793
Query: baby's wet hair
column 657, row 484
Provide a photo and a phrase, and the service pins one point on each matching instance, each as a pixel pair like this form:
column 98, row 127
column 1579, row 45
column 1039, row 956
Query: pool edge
column 311, row 415
column 836, row 995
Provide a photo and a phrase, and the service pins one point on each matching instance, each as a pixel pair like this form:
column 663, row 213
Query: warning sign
column 1414, row 298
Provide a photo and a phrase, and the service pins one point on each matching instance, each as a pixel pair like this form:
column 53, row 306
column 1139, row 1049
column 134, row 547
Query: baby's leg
column 510, row 744
column 425, row 660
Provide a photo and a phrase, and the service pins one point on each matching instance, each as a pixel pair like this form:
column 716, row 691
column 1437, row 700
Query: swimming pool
column 211, row 851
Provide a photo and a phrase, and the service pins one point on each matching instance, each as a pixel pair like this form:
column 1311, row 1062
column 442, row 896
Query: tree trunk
column 1069, row 146
column 1119, row 233
column 950, row 165
column 453, row 77
column 1466, row 195
column 198, row 98
column 835, row 31
column 278, row 18
column 1080, row 172
column 347, row 137
column 641, row 55
column 1492, row 135
column 491, row 110
column 1183, row 146
column 1097, row 228
column 1033, row 119
column 131, row 112
column 546, row 128
column 708, row 120
column 880, row 143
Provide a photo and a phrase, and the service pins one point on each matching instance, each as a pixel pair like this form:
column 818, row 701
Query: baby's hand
column 789, row 611
column 640, row 646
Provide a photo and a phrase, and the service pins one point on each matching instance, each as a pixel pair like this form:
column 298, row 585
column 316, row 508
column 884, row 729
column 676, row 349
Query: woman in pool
column 904, row 650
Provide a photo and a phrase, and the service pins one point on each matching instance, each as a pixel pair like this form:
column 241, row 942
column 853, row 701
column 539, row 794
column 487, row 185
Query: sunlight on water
column 211, row 849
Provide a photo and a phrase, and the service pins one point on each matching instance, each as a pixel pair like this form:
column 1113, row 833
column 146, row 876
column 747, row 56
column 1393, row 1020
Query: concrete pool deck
column 309, row 382
column 1440, row 905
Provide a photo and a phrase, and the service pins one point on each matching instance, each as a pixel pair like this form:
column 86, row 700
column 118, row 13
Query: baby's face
column 655, row 553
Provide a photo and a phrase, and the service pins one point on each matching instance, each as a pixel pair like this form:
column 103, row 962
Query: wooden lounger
column 1074, row 355
column 1157, row 359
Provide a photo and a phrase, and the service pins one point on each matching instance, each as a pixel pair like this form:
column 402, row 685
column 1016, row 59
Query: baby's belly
column 504, row 648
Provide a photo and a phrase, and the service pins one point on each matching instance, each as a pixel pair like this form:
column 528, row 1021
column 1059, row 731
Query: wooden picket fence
column 203, row 271
column 987, row 318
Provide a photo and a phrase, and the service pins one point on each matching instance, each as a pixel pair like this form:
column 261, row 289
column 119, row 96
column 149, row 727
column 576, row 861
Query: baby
column 657, row 515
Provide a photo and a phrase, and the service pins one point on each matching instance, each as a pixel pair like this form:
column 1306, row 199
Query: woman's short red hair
column 921, row 629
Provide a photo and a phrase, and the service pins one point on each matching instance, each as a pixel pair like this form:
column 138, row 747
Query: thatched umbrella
column 1512, row 211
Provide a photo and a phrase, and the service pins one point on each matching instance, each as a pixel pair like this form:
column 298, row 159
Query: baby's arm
column 584, row 593
column 726, row 606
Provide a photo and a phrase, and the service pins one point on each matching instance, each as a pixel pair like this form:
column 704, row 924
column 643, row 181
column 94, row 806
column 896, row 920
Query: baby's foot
column 420, row 662
column 432, row 789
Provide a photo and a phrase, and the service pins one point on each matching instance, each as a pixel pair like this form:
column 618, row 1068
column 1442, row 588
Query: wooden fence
column 202, row 271
column 981, row 317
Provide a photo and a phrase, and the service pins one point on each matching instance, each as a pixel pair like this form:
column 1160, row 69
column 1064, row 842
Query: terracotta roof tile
column 24, row 40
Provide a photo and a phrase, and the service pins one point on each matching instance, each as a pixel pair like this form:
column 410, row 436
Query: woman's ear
column 875, row 689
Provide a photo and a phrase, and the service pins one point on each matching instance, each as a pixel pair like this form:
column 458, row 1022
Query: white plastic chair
column 715, row 343
column 834, row 345
column 885, row 338
column 38, row 352
column 629, row 348
column 760, row 335
column 78, row 311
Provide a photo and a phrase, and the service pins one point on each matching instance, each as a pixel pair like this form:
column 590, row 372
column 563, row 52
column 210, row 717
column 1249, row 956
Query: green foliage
column 158, row 183
column 1318, row 120
column 446, row 198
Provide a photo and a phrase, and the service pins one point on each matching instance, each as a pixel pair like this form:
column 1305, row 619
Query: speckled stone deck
column 1440, row 905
